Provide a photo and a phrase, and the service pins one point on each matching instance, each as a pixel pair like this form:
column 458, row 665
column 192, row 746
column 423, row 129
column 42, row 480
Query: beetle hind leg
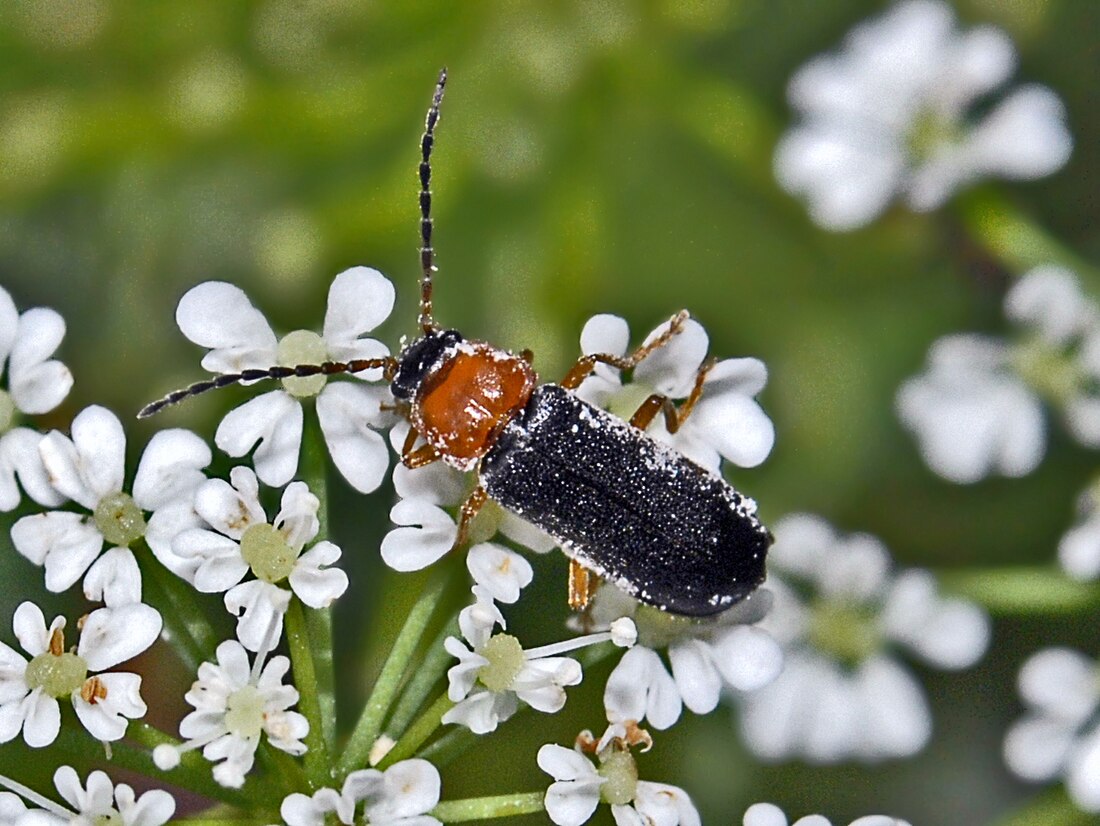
column 583, row 584
column 468, row 511
column 674, row 416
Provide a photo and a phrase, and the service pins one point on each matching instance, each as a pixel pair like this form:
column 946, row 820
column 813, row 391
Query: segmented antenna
column 327, row 368
column 427, row 323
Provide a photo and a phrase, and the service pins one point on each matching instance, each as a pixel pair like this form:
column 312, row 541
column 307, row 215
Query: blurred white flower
column 89, row 468
column 1079, row 547
column 234, row 704
column 30, row 690
column 236, row 538
column 36, row 384
column 1059, row 737
column 766, row 814
column 494, row 672
column 580, row 785
column 101, row 802
column 726, row 423
column 427, row 530
column 894, row 113
column 704, row 656
column 977, row 410
column 841, row 613
column 402, row 795
column 219, row 316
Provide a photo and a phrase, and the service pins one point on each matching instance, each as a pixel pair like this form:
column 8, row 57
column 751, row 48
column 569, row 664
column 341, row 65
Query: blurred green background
column 592, row 157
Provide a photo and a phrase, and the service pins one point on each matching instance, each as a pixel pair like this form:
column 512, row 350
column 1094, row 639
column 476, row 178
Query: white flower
column 840, row 613
column 426, row 530
column 494, row 672
column 30, row 690
column 1079, row 547
column 971, row 413
column 726, row 423
column 977, row 410
column 220, row 316
column 89, row 468
column 234, row 704
column 579, row 786
column 101, row 802
column 766, row 814
column 35, row 384
column 704, row 655
column 402, row 795
column 893, row 114
column 1060, row 734
column 237, row 538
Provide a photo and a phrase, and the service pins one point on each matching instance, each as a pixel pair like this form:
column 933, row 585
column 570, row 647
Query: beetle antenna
column 427, row 264
column 327, row 368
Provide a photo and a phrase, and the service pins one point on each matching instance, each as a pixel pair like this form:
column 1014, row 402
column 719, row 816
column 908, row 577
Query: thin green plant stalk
column 427, row 675
column 450, row 746
column 305, row 677
column 486, row 808
column 369, row 726
column 423, row 728
column 319, row 621
column 1052, row 808
column 1022, row 590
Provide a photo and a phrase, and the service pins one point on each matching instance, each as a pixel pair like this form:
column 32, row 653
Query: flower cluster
column 977, row 410
column 840, row 613
column 895, row 113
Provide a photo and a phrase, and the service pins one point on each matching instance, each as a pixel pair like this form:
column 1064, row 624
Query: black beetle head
column 419, row 358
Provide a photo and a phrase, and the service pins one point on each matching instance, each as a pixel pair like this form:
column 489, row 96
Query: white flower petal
column 19, row 456
column 59, row 540
column 164, row 526
column 316, row 584
column 428, row 533
column 42, row 719
column 100, row 444
column 695, row 674
column 764, row 814
column 259, row 607
column 359, row 300
column 275, row 421
column 219, row 316
column 747, row 657
column 170, row 468
column 1083, row 777
column 640, row 688
column 1060, row 682
column 107, row 719
column 1036, row 748
column 502, row 572
column 671, row 369
column 37, row 384
column 114, row 579
column 1024, row 137
column 114, row 635
column 349, row 414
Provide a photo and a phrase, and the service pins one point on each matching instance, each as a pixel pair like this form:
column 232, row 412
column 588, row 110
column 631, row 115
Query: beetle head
column 419, row 359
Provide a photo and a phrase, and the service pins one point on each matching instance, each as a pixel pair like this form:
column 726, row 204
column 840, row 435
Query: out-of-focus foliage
column 592, row 157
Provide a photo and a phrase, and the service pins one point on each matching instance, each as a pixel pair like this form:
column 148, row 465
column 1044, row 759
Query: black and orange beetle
column 623, row 506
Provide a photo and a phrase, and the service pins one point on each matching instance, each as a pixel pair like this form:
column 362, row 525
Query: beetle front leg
column 411, row 457
column 586, row 364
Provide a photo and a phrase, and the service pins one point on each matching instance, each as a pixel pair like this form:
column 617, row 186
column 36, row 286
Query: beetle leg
column 674, row 417
column 586, row 364
column 582, row 585
column 469, row 510
column 527, row 356
column 413, row 458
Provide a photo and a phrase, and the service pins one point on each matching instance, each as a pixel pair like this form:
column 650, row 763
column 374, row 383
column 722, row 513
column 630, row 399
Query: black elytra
column 642, row 515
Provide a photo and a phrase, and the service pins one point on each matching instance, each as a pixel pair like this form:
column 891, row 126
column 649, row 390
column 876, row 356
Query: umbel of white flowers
column 891, row 114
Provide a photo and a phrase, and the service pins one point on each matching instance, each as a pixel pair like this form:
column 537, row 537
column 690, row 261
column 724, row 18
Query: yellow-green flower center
column 7, row 411
column 119, row 519
column 505, row 656
column 621, row 786
column 58, row 675
column 111, row 818
column 302, row 347
column 267, row 553
column 844, row 631
column 244, row 714
column 657, row 628
column 930, row 132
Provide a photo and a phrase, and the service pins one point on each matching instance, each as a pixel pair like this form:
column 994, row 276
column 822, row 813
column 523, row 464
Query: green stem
column 423, row 728
column 385, row 688
column 319, row 622
column 1022, row 590
column 305, row 678
column 423, row 681
column 1013, row 238
column 484, row 808
column 450, row 746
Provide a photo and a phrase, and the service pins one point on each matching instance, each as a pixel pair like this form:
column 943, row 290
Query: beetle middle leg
column 674, row 416
column 586, row 364
column 469, row 510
